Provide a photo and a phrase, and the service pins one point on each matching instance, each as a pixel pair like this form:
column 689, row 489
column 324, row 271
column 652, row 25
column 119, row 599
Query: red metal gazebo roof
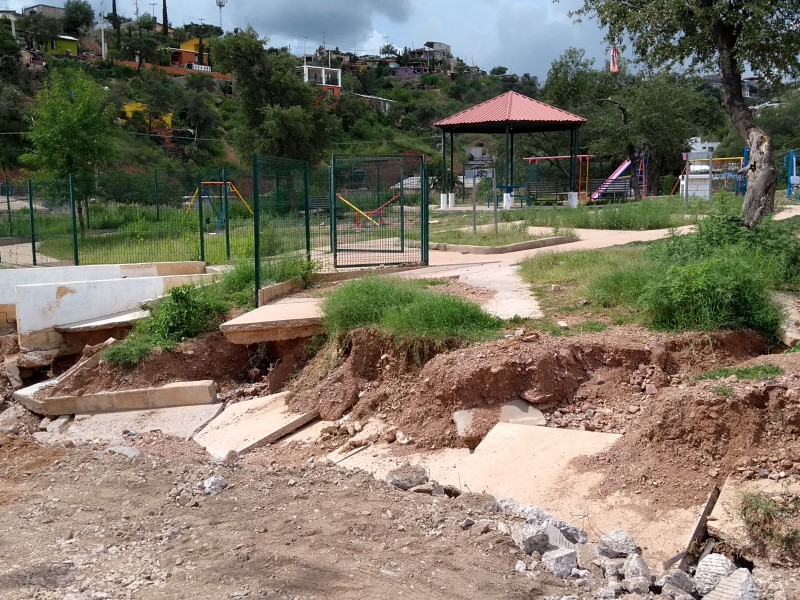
column 520, row 113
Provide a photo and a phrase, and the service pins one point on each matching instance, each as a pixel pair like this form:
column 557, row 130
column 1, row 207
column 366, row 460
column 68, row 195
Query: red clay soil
column 209, row 356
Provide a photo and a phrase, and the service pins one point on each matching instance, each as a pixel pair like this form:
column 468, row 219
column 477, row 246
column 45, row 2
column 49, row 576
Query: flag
column 614, row 64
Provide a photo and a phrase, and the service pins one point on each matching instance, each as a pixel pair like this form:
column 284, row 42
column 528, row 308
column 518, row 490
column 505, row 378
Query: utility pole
column 136, row 8
column 153, row 11
column 304, row 49
column 102, row 31
column 323, row 40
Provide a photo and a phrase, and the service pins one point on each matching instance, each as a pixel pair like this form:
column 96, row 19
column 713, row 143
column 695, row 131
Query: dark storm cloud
column 299, row 18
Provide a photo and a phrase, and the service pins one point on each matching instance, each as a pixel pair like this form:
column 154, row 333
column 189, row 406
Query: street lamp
column 221, row 3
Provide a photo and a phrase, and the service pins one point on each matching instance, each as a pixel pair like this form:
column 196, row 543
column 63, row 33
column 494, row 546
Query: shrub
column 720, row 292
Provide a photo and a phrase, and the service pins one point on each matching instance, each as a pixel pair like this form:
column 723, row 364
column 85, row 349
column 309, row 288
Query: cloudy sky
column 523, row 35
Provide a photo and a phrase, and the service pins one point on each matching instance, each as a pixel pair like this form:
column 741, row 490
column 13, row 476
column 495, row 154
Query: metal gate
column 379, row 209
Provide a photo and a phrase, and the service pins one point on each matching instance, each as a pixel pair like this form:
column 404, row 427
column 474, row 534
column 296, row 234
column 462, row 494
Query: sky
column 523, row 35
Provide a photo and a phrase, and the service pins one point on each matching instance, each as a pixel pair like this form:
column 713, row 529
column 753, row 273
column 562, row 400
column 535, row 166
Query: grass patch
column 651, row 213
column 725, row 391
column 754, row 373
column 407, row 311
column 772, row 521
column 505, row 236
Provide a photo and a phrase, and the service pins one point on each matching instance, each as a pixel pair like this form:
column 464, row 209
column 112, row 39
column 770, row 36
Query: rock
column 674, row 593
column 635, row 567
column 650, row 389
column 44, row 423
column 633, row 409
column 520, row 567
column 401, row 438
column 536, row 516
column 612, row 567
column 431, row 487
column 710, row 571
column 466, row 523
column 451, row 491
column 556, row 538
column 11, row 370
column 529, row 538
column 637, row 585
column 738, row 586
column 588, row 559
column 481, row 526
column 407, row 476
column 677, row 578
column 560, row 562
column 214, row 485
column 562, row 325
column 617, row 544
column 128, row 451
column 17, row 419
column 60, row 425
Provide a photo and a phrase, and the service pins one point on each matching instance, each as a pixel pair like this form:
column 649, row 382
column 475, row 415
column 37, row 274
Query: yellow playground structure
column 219, row 190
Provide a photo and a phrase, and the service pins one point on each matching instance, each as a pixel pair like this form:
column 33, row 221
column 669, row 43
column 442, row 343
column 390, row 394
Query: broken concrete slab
column 710, row 571
column 552, row 481
column 560, row 562
column 286, row 319
column 522, row 413
column 182, row 393
column 737, row 586
column 790, row 327
column 725, row 522
column 179, row 421
column 124, row 319
column 251, row 423
column 16, row 419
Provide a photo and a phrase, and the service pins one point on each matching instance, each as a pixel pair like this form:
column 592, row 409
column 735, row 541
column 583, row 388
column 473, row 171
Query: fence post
column 202, row 221
column 8, row 208
column 74, row 219
column 424, row 213
column 402, row 208
column 307, row 212
column 155, row 192
column 256, row 228
column 225, row 212
column 30, row 215
column 332, row 193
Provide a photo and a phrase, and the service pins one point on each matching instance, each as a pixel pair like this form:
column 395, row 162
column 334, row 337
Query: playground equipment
column 223, row 188
column 534, row 187
column 368, row 214
column 792, row 178
column 708, row 175
column 642, row 163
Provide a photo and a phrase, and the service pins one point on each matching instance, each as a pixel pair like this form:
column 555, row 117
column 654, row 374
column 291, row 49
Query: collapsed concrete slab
column 287, row 319
column 251, row 423
column 117, row 427
column 183, row 393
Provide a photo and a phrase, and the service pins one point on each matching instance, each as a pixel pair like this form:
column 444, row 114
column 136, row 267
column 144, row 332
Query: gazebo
column 511, row 113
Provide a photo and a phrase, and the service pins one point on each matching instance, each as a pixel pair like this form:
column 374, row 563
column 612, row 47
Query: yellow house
column 132, row 108
column 193, row 45
column 62, row 45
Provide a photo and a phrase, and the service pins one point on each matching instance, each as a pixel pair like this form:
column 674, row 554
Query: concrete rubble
column 710, row 571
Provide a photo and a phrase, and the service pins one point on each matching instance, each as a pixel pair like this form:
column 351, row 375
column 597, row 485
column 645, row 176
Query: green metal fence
column 280, row 213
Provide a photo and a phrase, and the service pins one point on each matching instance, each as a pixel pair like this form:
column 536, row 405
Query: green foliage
column 71, row 125
column 754, row 373
column 187, row 312
column 724, row 291
column 505, row 236
column 724, row 390
column 406, row 310
column 771, row 521
column 78, row 17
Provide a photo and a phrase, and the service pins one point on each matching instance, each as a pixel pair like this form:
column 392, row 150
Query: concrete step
column 286, row 319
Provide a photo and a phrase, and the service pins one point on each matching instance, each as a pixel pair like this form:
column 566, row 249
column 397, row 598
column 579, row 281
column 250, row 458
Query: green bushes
column 406, row 310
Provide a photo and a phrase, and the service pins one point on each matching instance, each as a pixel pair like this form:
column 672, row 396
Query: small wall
column 43, row 307
column 10, row 278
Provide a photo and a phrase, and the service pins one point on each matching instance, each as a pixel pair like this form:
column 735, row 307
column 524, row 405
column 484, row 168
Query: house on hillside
column 382, row 105
column 188, row 55
column 327, row 78
column 57, row 12
column 61, row 45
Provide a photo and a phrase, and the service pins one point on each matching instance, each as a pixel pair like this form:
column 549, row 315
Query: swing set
column 369, row 214
column 208, row 190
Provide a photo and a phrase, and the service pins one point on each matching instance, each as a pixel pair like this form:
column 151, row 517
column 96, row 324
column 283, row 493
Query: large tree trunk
column 759, row 199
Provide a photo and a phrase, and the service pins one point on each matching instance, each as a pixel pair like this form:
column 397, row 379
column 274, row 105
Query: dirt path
column 81, row 525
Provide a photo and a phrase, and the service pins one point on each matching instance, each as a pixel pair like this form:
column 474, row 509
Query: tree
column 164, row 20
column 39, row 28
column 71, row 130
column 9, row 53
column 388, row 50
column 116, row 23
column 727, row 34
column 78, row 17
column 277, row 113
